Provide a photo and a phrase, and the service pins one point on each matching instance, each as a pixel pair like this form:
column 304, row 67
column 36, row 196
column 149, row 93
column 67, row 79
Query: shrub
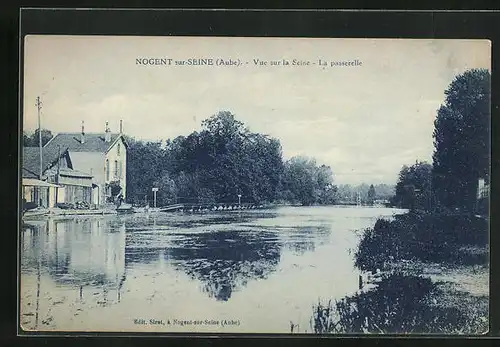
column 400, row 304
column 424, row 237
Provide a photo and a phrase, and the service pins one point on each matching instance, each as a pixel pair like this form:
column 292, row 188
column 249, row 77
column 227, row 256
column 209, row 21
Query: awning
column 37, row 183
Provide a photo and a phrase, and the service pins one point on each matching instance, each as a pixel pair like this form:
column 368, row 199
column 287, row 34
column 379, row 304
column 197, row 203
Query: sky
column 364, row 121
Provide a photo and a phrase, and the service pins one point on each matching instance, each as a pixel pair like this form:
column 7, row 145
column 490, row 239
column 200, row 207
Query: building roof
column 94, row 142
column 37, row 183
column 74, row 173
column 31, row 159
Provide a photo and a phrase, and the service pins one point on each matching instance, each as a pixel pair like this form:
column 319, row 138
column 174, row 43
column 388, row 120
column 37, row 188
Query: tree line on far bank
column 225, row 159
column 461, row 151
column 219, row 163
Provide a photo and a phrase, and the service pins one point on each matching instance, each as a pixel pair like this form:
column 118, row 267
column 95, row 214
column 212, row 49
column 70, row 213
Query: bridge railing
column 211, row 206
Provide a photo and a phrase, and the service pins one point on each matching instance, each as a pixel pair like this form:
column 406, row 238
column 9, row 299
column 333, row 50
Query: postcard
column 254, row 185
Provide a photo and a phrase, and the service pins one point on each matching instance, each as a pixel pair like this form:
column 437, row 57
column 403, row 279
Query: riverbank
column 39, row 212
column 433, row 277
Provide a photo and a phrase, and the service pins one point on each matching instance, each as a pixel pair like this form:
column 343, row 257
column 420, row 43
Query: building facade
column 103, row 156
column 59, row 182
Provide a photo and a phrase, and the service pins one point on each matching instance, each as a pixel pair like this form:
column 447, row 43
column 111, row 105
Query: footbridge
column 200, row 207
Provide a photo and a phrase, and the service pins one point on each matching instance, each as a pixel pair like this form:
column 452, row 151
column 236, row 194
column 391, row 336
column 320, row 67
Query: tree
column 167, row 190
column 145, row 167
column 371, row 194
column 221, row 161
column 413, row 190
column 32, row 140
column 299, row 179
column 306, row 183
column 226, row 159
column 462, row 140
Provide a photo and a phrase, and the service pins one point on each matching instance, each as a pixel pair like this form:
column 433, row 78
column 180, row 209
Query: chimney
column 107, row 135
column 82, row 137
column 121, row 126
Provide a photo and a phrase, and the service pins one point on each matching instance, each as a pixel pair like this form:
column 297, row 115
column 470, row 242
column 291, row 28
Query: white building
column 101, row 155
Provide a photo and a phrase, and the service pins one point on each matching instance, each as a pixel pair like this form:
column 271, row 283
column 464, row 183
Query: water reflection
column 301, row 239
column 226, row 260
column 224, row 252
column 216, row 250
column 229, row 260
column 77, row 253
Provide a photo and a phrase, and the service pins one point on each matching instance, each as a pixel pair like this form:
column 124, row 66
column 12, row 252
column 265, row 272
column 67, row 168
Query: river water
column 225, row 272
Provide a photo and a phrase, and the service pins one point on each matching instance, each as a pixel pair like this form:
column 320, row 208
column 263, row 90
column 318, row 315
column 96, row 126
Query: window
column 118, row 149
column 107, row 169
column 116, row 169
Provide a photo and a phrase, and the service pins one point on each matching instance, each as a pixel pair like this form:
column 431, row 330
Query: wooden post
column 154, row 196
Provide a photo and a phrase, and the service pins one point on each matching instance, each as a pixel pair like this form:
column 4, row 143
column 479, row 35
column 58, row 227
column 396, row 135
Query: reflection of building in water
column 85, row 255
column 97, row 250
column 76, row 251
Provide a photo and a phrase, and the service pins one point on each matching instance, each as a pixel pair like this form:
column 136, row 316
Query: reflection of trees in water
column 226, row 260
column 305, row 239
column 300, row 239
column 143, row 255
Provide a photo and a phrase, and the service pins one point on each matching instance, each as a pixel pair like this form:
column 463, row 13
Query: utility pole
column 58, row 171
column 59, row 163
column 39, row 107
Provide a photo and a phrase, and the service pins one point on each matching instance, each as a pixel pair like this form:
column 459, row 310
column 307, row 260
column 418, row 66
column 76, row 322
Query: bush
column 424, row 237
column 400, row 304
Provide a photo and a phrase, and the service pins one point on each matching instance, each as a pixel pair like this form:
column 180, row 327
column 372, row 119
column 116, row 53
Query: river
column 226, row 272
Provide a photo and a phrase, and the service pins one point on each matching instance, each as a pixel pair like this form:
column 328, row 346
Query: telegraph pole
column 59, row 171
column 59, row 163
column 39, row 107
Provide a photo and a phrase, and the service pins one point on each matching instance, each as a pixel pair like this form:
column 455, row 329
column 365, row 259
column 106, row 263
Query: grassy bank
column 406, row 300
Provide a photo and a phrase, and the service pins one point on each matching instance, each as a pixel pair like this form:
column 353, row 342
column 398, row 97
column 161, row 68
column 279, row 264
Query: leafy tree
column 32, row 140
column 223, row 160
column 462, row 140
column 413, row 190
column 306, row 183
column 325, row 190
column 299, row 179
column 371, row 194
column 167, row 190
column 145, row 161
column 226, row 159
column 384, row 191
